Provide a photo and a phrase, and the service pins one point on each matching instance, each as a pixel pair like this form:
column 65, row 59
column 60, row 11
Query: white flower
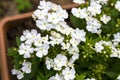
column 74, row 42
column 45, row 5
column 64, row 28
column 69, row 74
column 14, row 71
column 49, row 63
column 101, row 1
column 79, row 1
column 116, row 37
column 73, row 59
column 44, row 24
column 39, row 14
column 60, row 60
column 117, row 5
column 25, row 50
column 53, row 18
column 56, row 38
column 98, row 46
column 56, row 77
column 90, row 79
column 105, row 19
column 80, row 13
column 94, row 8
column 26, row 67
column 45, row 39
column 65, row 45
column 38, row 41
column 62, row 14
column 79, row 34
column 18, row 73
column 29, row 37
column 42, row 50
column 93, row 25
column 75, row 56
column 118, row 78
column 51, row 12
column 23, row 37
column 115, row 52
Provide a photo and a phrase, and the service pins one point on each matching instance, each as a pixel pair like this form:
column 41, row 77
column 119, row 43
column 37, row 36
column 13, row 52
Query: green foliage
column 80, row 77
column 90, row 64
column 77, row 22
column 16, row 58
column 18, row 41
column 23, row 5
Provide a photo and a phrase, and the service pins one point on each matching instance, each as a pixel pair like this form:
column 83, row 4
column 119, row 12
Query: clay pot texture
column 5, row 25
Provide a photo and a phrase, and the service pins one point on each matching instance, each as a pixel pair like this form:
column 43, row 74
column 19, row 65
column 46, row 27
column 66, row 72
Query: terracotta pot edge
column 69, row 6
column 15, row 17
column 3, row 67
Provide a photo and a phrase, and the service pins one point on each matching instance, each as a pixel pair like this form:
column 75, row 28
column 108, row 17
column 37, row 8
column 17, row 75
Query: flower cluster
column 60, row 51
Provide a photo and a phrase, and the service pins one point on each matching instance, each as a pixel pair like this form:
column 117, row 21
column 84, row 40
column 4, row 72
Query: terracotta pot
column 5, row 26
column 63, row 2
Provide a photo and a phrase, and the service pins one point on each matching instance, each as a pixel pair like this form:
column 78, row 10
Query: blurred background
column 13, row 7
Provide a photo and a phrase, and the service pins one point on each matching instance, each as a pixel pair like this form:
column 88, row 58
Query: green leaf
column 23, row 5
column 17, row 62
column 40, row 76
column 111, row 74
column 115, row 66
column 77, row 22
column 18, row 41
column 12, row 52
column 80, row 77
column 34, row 69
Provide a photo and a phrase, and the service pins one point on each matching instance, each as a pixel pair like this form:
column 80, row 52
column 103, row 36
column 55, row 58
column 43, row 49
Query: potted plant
column 81, row 44
column 6, row 25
